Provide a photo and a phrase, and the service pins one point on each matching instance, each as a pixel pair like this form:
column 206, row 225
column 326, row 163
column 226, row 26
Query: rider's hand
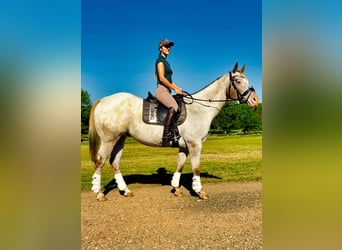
column 179, row 91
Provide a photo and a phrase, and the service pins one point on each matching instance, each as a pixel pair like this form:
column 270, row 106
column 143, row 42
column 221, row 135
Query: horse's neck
column 216, row 92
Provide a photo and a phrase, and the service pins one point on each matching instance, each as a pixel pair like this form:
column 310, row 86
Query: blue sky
column 120, row 43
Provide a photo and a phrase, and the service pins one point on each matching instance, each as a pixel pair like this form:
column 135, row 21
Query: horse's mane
column 218, row 78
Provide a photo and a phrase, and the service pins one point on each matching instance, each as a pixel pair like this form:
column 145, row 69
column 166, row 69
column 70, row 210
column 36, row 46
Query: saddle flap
column 154, row 112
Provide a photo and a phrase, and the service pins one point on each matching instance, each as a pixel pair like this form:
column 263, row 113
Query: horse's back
column 122, row 96
column 119, row 100
column 117, row 111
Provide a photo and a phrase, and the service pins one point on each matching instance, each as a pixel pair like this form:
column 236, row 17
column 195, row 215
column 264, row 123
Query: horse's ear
column 235, row 67
column 242, row 70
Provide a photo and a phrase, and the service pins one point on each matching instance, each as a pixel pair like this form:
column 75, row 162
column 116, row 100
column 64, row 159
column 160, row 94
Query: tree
column 237, row 117
column 85, row 111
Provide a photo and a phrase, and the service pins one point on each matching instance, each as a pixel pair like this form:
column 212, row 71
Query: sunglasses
column 168, row 47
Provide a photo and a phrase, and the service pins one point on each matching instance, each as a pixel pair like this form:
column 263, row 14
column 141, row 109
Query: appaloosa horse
column 115, row 117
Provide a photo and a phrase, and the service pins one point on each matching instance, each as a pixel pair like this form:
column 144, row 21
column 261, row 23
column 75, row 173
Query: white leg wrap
column 120, row 181
column 96, row 183
column 175, row 179
column 196, row 184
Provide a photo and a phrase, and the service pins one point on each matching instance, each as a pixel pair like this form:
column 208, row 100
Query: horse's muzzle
column 252, row 100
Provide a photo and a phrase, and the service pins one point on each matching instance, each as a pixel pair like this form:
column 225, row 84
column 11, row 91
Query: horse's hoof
column 203, row 195
column 101, row 197
column 178, row 192
column 128, row 193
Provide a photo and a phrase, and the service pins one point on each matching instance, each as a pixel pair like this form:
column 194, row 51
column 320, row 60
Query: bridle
column 242, row 97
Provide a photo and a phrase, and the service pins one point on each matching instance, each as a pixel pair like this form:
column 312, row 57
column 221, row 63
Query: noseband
column 242, row 97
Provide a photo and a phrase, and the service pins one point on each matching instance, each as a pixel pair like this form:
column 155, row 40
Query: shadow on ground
column 162, row 177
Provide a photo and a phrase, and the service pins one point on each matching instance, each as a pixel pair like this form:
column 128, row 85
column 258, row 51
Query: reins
column 240, row 96
column 189, row 96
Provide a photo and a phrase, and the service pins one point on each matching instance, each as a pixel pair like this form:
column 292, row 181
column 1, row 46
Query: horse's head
column 239, row 88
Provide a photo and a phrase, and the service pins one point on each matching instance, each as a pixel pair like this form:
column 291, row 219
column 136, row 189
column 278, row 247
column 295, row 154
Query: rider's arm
column 167, row 83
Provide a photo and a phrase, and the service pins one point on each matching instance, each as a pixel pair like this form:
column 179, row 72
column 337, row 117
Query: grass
column 223, row 159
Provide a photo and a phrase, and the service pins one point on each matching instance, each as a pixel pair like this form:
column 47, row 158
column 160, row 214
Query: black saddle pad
column 154, row 112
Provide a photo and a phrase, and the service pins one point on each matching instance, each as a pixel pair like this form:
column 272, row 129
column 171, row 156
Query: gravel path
column 156, row 219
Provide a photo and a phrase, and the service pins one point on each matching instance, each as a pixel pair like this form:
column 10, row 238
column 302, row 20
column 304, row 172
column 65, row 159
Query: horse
column 117, row 116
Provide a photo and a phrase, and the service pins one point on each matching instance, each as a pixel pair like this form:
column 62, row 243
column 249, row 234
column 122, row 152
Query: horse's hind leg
column 115, row 162
column 101, row 157
column 182, row 155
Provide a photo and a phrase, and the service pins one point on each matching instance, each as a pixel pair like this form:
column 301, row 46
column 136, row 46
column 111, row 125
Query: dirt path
column 155, row 219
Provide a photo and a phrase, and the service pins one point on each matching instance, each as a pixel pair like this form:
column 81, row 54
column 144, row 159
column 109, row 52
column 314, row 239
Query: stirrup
column 175, row 139
column 175, row 144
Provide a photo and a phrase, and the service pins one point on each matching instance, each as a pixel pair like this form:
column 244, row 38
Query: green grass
column 223, row 159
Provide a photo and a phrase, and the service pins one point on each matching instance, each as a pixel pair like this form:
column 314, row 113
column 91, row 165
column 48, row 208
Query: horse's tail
column 94, row 139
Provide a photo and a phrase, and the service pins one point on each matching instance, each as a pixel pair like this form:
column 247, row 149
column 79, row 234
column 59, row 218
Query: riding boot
column 175, row 133
column 167, row 134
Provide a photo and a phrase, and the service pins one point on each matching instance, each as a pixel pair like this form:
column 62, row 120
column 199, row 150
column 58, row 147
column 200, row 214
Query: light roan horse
column 115, row 117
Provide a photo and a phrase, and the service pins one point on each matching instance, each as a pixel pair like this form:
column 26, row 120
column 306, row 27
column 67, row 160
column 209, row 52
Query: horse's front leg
column 195, row 153
column 175, row 182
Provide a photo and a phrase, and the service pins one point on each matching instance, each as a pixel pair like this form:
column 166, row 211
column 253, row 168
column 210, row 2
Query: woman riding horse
column 114, row 117
column 163, row 92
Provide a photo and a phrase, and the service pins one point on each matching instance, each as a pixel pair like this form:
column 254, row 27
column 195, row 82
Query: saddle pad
column 155, row 113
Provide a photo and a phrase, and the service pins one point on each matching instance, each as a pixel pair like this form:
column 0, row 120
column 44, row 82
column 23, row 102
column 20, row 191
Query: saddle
column 155, row 112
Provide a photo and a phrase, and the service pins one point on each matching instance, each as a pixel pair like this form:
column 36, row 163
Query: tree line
column 232, row 118
column 235, row 117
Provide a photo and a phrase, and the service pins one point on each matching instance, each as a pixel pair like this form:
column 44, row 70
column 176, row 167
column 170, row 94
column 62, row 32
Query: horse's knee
column 99, row 161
